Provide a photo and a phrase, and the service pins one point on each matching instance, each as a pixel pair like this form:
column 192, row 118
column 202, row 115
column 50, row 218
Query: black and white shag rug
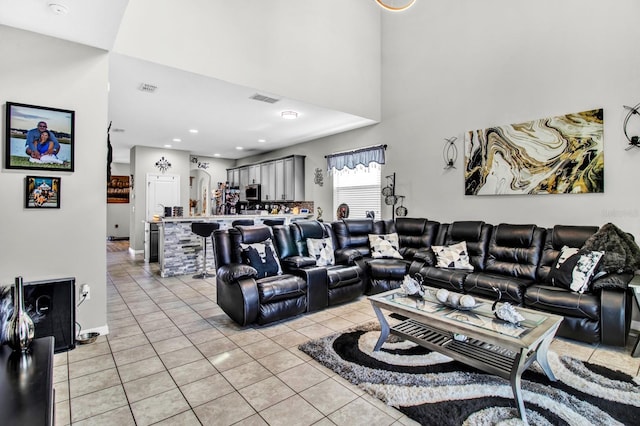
column 432, row 389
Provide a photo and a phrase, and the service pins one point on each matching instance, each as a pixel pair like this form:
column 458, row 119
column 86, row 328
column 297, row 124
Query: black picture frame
column 22, row 128
column 42, row 192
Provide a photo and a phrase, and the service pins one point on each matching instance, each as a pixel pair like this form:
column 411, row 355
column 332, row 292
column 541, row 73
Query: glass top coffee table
column 474, row 337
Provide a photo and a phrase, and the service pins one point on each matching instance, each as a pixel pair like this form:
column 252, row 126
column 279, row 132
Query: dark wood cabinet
column 26, row 385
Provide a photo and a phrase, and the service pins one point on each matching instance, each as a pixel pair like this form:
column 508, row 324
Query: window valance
column 351, row 159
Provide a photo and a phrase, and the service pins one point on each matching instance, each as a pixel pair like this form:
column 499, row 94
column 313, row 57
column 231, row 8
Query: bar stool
column 273, row 222
column 243, row 222
column 204, row 229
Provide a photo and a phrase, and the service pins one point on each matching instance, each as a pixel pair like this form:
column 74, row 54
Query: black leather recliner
column 511, row 263
column 243, row 296
column 476, row 234
column 415, row 235
column 601, row 314
column 327, row 285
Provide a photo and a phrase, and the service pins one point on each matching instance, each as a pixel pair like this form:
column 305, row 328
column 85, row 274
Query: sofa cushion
column 322, row 250
column 558, row 301
column 454, row 256
column 384, row 246
column 574, row 268
column 280, row 287
column 517, row 236
column 261, row 256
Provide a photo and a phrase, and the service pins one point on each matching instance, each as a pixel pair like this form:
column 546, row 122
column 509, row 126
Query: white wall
column 450, row 67
column 143, row 160
column 325, row 52
column 471, row 65
column 70, row 241
column 118, row 214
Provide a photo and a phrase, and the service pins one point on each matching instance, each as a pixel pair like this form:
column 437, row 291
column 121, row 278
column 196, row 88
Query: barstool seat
column 243, row 222
column 273, row 222
column 205, row 230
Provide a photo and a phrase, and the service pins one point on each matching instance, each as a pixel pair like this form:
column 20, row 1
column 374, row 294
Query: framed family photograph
column 42, row 192
column 39, row 138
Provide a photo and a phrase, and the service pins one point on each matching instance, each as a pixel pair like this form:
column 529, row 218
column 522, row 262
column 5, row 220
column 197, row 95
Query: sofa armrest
column 235, row 271
column 615, row 316
column 239, row 299
column 347, row 256
column 294, row 262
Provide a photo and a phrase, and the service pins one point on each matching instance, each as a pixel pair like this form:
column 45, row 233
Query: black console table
column 26, row 384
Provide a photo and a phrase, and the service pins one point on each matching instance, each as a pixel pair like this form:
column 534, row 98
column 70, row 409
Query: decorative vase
column 20, row 329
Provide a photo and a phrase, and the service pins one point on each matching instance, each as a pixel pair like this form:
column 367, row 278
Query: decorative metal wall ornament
column 203, row 165
column 317, row 177
column 634, row 141
column 163, row 164
column 450, row 153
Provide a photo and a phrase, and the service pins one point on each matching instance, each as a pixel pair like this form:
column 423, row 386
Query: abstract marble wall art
column 557, row 155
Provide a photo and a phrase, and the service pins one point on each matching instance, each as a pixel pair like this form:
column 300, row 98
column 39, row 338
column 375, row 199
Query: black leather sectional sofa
column 515, row 259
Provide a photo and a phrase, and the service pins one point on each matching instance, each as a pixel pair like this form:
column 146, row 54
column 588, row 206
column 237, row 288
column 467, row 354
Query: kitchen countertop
column 235, row 217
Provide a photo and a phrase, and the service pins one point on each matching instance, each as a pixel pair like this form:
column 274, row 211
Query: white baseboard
column 132, row 251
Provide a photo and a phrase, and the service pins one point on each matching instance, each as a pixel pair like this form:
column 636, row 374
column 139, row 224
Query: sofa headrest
column 410, row 226
column 517, row 236
column 253, row 234
column 466, row 230
column 359, row 226
column 571, row 236
column 310, row 229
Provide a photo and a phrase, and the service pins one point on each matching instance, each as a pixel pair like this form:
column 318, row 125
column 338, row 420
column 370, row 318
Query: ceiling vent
column 117, row 130
column 263, row 98
column 147, row 88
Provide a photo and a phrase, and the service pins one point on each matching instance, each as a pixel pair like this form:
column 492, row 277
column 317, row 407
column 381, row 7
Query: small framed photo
column 42, row 192
column 39, row 138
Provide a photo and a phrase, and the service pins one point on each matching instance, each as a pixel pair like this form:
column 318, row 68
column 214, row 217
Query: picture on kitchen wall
column 118, row 189
column 42, row 192
column 557, row 155
column 39, row 138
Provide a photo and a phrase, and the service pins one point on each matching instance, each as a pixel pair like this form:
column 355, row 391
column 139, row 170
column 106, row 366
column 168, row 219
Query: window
column 359, row 189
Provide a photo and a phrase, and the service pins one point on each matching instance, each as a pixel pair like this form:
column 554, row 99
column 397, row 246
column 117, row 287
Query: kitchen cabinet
column 244, row 181
column 268, row 181
column 233, row 177
column 254, row 174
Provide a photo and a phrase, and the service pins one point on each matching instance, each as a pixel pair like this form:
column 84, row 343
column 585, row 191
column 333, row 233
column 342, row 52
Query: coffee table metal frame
column 488, row 350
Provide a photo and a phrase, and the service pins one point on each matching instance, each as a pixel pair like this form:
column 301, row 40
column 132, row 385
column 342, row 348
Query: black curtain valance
column 351, row 159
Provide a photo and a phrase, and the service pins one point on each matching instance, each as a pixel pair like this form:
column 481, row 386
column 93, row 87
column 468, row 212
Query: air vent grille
column 147, row 88
column 263, row 98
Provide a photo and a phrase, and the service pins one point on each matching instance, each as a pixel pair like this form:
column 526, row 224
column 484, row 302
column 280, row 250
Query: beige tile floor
column 172, row 357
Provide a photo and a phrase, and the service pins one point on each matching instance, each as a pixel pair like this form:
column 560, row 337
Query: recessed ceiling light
column 262, row 140
column 216, row 155
column 239, row 148
column 59, row 9
column 177, row 140
column 167, row 146
column 193, row 131
column 289, row 115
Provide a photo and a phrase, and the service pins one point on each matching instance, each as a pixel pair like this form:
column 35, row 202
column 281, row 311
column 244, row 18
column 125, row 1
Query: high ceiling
column 224, row 114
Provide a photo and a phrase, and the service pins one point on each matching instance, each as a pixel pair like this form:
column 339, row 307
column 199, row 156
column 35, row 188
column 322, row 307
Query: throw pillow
column 322, row 250
column 262, row 257
column 384, row 246
column 454, row 256
column 574, row 268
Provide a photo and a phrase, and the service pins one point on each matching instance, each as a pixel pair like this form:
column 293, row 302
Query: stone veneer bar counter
column 180, row 250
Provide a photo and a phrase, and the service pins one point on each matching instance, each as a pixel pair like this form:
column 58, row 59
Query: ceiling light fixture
column 177, row 140
column 193, row 131
column 167, row 146
column 59, row 9
column 216, row 155
column 262, row 140
column 289, row 115
column 395, row 5
column 239, row 148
